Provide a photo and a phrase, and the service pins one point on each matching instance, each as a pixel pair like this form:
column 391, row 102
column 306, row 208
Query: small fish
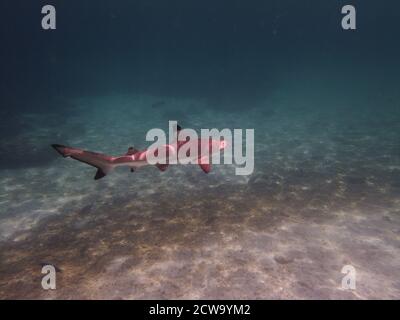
column 158, row 104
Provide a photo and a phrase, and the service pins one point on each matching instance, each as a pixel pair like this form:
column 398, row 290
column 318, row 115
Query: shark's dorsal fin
column 131, row 151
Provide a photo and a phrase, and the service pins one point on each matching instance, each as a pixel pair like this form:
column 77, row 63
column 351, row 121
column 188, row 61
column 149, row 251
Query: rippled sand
column 325, row 193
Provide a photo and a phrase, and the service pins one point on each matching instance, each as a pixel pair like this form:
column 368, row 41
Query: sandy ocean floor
column 325, row 193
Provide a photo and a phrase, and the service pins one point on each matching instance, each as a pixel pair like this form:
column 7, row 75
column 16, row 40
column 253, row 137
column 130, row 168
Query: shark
column 134, row 158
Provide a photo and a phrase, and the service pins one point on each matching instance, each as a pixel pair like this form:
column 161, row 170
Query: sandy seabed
column 325, row 193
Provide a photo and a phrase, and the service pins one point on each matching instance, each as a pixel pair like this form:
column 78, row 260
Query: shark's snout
column 223, row 144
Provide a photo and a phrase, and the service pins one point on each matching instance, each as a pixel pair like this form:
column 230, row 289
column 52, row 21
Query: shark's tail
column 102, row 162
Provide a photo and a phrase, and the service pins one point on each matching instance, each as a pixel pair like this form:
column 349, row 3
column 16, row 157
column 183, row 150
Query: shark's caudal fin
column 61, row 149
column 99, row 174
column 102, row 162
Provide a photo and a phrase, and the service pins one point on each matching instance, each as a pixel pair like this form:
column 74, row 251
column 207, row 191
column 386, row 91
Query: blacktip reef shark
column 134, row 158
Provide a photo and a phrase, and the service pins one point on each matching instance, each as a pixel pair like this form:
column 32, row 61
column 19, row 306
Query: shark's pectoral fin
column 162, row 167
column 99, row 174
column 204, row 163
column 205, row 167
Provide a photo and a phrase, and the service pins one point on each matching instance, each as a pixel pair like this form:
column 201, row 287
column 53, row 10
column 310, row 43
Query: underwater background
column 325, row 192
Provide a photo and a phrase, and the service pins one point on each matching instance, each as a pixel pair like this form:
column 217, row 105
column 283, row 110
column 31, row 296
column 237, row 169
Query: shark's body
column 134, row 159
